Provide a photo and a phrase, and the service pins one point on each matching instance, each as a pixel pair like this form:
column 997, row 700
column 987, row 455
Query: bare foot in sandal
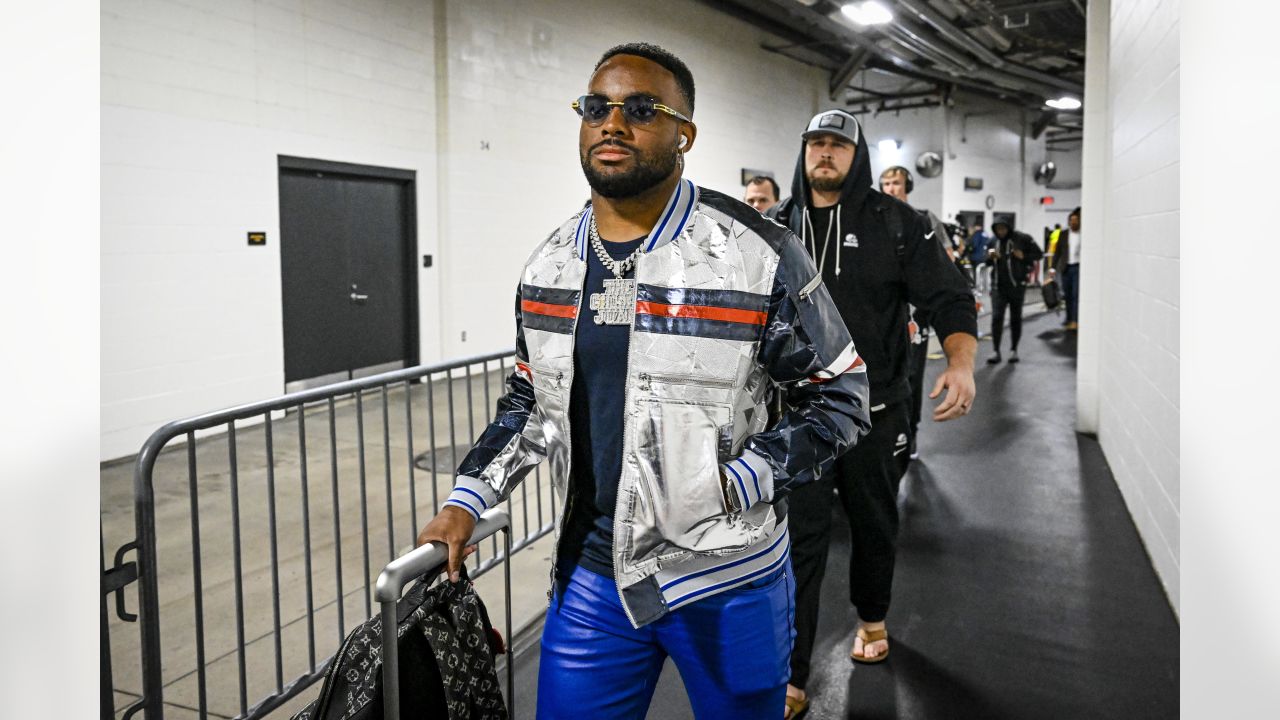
column 870, row 642
column 797, row 703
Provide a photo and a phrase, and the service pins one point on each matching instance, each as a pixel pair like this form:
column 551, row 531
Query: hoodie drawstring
column 805, row 228
column 839, row 239
column 809, row 238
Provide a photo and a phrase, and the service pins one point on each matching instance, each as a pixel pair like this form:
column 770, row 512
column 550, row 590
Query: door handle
column 358, row 298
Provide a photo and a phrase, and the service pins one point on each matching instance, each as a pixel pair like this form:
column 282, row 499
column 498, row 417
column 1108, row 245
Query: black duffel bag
column 1052, row 294
column 445, row 641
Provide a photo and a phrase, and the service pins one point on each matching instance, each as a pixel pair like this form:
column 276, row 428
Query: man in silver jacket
column 648, row 328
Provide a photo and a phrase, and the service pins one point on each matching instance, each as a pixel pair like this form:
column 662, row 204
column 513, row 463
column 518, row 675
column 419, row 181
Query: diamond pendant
column 617, row 304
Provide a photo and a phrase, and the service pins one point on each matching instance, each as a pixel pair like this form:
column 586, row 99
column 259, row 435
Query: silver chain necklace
column 617, row 304
column 619, row 267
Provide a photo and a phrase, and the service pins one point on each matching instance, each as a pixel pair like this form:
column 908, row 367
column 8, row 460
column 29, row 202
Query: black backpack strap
column 893, row 221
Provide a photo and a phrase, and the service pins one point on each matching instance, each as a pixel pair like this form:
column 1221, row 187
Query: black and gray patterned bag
column 446, row 654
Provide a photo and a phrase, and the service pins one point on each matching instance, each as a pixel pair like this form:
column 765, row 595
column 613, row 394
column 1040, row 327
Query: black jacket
column 1011, row 272
column 891, row 259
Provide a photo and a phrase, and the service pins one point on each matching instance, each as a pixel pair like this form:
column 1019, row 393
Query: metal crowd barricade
column 279, row 442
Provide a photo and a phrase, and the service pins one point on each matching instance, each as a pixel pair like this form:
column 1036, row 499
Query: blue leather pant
column 732, row 651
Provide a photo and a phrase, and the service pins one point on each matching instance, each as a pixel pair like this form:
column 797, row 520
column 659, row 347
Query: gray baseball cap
column 836, row 122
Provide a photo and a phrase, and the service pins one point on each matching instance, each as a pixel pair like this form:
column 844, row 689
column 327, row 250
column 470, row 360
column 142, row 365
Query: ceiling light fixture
column 1066, row 102
column 889, row 145
column 867, row 13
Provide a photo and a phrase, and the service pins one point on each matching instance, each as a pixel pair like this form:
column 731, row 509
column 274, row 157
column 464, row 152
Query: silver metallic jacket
column 726, row 301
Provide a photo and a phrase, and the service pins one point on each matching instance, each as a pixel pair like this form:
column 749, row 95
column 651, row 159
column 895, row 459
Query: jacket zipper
column 555, row 551
column 627, row 442
column 809, row 287
column 568, row 440
column 647, row 378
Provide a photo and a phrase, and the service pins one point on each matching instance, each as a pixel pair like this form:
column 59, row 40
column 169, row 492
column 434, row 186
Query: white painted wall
column 980, row 138
column 1130, row 270
column 199, row 97
column 992, row 141
column 919, row 130
column 198, row 100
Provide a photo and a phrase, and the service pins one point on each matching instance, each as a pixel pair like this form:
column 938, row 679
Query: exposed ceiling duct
column 968, row 44
column 961, row 72
column 958, row 37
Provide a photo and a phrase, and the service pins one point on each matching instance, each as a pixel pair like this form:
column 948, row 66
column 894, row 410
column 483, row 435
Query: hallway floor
column 1022, row 588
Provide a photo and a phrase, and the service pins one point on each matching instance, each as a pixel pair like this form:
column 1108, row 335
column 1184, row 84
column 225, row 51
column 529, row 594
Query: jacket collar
column 673, row 220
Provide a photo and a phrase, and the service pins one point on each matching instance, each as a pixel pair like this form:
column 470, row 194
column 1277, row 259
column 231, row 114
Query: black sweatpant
column 1012, row 298
column 867, row 479
column 917, row 358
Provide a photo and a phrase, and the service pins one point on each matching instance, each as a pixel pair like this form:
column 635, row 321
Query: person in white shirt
column 1065, row 264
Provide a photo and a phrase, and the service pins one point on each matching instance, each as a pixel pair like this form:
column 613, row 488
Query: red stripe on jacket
column 541, row 308
column 703, row 312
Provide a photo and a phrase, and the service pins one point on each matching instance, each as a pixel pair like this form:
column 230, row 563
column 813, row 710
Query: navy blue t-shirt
column 595, row 422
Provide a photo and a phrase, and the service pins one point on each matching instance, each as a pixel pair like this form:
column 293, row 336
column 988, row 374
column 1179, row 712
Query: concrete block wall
column 1129, row 381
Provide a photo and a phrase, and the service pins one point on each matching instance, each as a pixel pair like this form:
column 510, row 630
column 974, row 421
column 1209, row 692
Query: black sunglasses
column 637, row 109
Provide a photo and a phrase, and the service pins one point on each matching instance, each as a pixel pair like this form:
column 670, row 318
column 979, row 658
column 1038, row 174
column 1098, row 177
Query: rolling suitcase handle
column 403, row 570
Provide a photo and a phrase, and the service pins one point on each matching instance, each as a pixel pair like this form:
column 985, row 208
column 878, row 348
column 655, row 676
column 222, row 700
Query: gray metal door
column 349, row 291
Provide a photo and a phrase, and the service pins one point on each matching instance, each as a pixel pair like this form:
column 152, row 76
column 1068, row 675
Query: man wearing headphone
column 898, row 183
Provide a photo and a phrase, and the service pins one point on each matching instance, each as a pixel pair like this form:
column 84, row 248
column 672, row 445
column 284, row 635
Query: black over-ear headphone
column 910, row 181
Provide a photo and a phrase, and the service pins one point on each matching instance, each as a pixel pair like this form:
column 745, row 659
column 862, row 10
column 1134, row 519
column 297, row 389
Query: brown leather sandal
column 796, row 707
column 868, row 637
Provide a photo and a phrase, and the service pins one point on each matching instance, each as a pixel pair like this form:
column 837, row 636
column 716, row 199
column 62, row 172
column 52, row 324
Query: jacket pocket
column 680, row 501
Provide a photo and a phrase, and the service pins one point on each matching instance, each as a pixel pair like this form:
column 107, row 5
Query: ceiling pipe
column 962, row 40
column 886, row 60
column 942, row 61
column 841, row 77
column 911, row 37
column 951, row 32
column 888, row 98
column 894, row 108
column 937, row 90
column 917, row 37
column 983, row 81
column 825, row 24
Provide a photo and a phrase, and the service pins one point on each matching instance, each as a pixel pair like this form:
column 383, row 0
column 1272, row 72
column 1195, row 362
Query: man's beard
column 646, row 173
column 826, row 183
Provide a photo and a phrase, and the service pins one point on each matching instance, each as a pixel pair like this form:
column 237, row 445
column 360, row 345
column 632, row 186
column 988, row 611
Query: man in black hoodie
column 875, row 255
column 1012, row 254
